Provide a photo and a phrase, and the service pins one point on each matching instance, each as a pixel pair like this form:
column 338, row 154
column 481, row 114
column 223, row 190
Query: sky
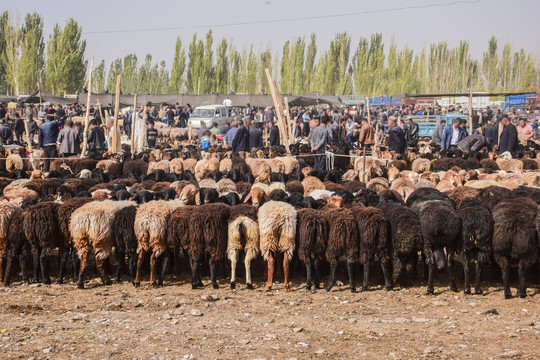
column 476, row 21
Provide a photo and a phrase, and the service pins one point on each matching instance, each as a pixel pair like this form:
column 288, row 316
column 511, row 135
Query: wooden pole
column 376, row 136
column 100, row 111
column 29, row 144
column 189, row 131
column 116, row 110
column 470, row 114
column 266, row 136
column 279, row 109
column 368, row 112
column 288, row 117
column 87, row 115
column 133, row 118
column 143, row 126
column 364, row 172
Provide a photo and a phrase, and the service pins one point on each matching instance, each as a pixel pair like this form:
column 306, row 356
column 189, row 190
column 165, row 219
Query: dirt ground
column 172, row 322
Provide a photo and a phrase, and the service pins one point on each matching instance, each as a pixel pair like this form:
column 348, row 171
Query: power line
column 305, row 18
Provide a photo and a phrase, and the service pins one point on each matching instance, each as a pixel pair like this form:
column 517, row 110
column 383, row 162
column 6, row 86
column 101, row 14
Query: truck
column 209, row 114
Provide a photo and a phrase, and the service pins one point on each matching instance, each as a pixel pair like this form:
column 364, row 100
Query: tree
column 206, row 74
column 11, row 56
column 4, row 23
column 221, row 84
column 32, row 54
column 178, row 67
column 309, row 65
column 98, row 78
column 114, row 71
column 65, row 67
column 130, row 83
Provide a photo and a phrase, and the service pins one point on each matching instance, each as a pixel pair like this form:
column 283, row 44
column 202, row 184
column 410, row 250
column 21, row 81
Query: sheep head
column 190, row 195
column 263, row 178
column 335, row 201
column 257, row 196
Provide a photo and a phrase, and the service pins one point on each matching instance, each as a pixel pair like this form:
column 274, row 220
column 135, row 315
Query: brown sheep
column 18, row 247
column 403, row 187
column 378, row 184
column 257, row 196
column 312, row 234
column 7, row 213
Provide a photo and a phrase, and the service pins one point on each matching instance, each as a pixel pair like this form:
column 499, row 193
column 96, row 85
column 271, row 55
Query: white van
column 209, row 114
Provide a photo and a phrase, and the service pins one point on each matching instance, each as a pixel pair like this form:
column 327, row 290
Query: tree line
column 59, row 65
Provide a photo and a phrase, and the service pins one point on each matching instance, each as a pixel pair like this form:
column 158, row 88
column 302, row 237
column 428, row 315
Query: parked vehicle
column 209, row 114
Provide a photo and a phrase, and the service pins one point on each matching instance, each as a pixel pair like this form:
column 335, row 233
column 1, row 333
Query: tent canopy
column 43, row 96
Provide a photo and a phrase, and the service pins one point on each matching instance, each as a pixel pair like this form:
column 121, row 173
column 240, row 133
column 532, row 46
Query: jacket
column 411, row 133
column 6, row 135
column 255, row 138
column 367, row 135
column 229, row 136
column 19, row 126
column 96, row 139
column 437, row 135
column 241, row 139
column 492, row 134
column 70, row 141
column 318, row 137
column 474, row 142
column 509, row 139
column 447, row 136
column 274, row 137
column 200, row 134
column 48, row 132
column 396, row 140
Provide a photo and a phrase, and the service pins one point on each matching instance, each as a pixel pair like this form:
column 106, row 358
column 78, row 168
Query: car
column 209, row 114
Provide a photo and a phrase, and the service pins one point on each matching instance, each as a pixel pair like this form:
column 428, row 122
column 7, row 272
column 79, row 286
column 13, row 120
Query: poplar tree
column 32, row 54
column 178, row 67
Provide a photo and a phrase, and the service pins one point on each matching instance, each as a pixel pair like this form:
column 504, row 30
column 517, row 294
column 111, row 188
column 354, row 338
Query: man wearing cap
column 396, row 137
column 452, row 135
column 317, row 140
column 47, row 136
column 95, row 140
column 274, row 134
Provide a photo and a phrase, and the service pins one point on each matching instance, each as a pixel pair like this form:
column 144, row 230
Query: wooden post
column 116, row 110
column 288, row 117
column 266, row 136
column 376, row 136
column 100, row 111
column 364, row 172
column 143, row 125
column 29, row 144
column 470, row 114
column 189, row 131
column 279, row 109
column 368, row 112
column 85, row 134
column 133, row 117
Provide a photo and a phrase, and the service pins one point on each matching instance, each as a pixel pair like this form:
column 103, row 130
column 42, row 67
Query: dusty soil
column 122, row 322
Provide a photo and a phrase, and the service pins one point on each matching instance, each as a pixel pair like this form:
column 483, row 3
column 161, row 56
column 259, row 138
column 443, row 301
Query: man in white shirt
column 227, row 102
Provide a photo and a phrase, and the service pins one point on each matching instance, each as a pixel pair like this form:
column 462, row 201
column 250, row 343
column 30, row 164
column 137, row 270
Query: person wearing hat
column 70, row 140
column 509, row 137
column 452, row 135
column 353, row 136
column 274, row 135
column 47, row 136
column 396, row 137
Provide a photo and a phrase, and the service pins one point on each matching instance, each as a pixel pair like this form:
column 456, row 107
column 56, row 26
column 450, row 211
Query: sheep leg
column 100, row 265
column 212, row 266
column 466, row 274
column 350, row 270
column 9, row 265
column 63, row 253
column 233, row 258
column 120, row 263
column 316, row 264
column 431, row 273
column 153, row 261
column 35, row 261
column 308, row 273
column 365, row 281
column 397, row 269
column 333, row 267
column 385, row 267
column 24, row 267
column 451, row 271
column 478, row 279
column 76, row 264
column 132, row 263
column 166, row 257
column 286, row 262
column 506, row 279
column 140, row 264
column 194, row 262
column 82, row 269
column 44, row 262
column 522, row 273
column 250, row 255
column 269, row 280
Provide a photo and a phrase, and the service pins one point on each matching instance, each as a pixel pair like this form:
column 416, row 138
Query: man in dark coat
column 492, row 132
column 95, row 140
column 509, row 138
column 6, row 135
column 47, row 136
column 255, row 137
column 274, row 134
column 411, row 132
column 19, row 128
column 241, row 139
column 396, row 137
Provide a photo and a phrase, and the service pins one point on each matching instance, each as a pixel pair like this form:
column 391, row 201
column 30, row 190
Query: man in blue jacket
column 396, row 137
column 452, row 135
column 47, row 136
column 509, row 137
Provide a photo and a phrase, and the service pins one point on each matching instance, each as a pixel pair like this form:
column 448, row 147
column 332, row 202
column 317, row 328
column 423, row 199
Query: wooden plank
column 29, row 144
column 85, row 134
column 279, row 109
column 133, row 118
column 470, row 114
column 143, row 126
column 116, row 111
column 288, row 117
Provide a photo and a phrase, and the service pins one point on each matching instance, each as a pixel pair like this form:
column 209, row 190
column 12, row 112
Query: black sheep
column 277, row 195
column 125, row 241
column 231, row 199
column 311, row 237
column 209, row 195
column 474, row 246
column 515, row 239
column 18, row 247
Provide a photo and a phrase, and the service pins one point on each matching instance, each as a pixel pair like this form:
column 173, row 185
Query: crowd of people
column 58, row 135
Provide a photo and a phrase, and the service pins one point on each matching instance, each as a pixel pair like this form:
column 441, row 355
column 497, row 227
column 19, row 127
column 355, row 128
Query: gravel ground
column 172, row 322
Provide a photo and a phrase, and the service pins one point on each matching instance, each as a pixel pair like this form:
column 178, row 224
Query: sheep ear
column 248, row 198
column 198, row 198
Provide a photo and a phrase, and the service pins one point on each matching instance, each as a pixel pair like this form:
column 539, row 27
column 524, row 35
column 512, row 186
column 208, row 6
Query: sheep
column 135, row 168
column 474, row 245
column 342, row 239
column 515, row 239
column 277, row 229
column 461, row 193
column 312, row 232
column 256, row 195
column 509, row 164
column 226, row 186
column 403, row 187
column 374, row 242
column 441, row 229
column 178, row 236
column 91, row 226
column 190, row 195
column 421, row 165
column 243, row 234
column 18, row 247
column 110, row 166
column 207, row 232
column 405, row 237
column 311, row 183
column 125, row 241
column 150, row 228
column 378, row 184
column 63, row 213
column 42, row 231
column 7, row 213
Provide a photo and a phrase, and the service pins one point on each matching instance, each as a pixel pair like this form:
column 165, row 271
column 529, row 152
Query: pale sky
column 510, row 21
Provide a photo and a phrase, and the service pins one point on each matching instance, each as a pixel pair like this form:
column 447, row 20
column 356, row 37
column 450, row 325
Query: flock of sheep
column 171, row 204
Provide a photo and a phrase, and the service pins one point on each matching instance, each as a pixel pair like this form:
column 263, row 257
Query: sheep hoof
column 478, row 292
column 137, row 284
column 328, row 288
column 155, row 285
column 389, row 288
column 194, row 286
column 523, row 296
column 308, row 287
column 430, row 291
column 107, row 282
column 59, row 281
column 317, row 286
column 233, row 286
column 268, row 288
column 249, row 286
column 7, row 283
column 467, row 291
column 80, row 286
column 453, row 288
column 353, row 290
column 364, row 288
column 215, row 286
column 287, row 288
column 47, row 282
column 507, row 296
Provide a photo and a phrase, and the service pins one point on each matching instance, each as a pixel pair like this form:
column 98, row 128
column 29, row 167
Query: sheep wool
column 277, row 228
